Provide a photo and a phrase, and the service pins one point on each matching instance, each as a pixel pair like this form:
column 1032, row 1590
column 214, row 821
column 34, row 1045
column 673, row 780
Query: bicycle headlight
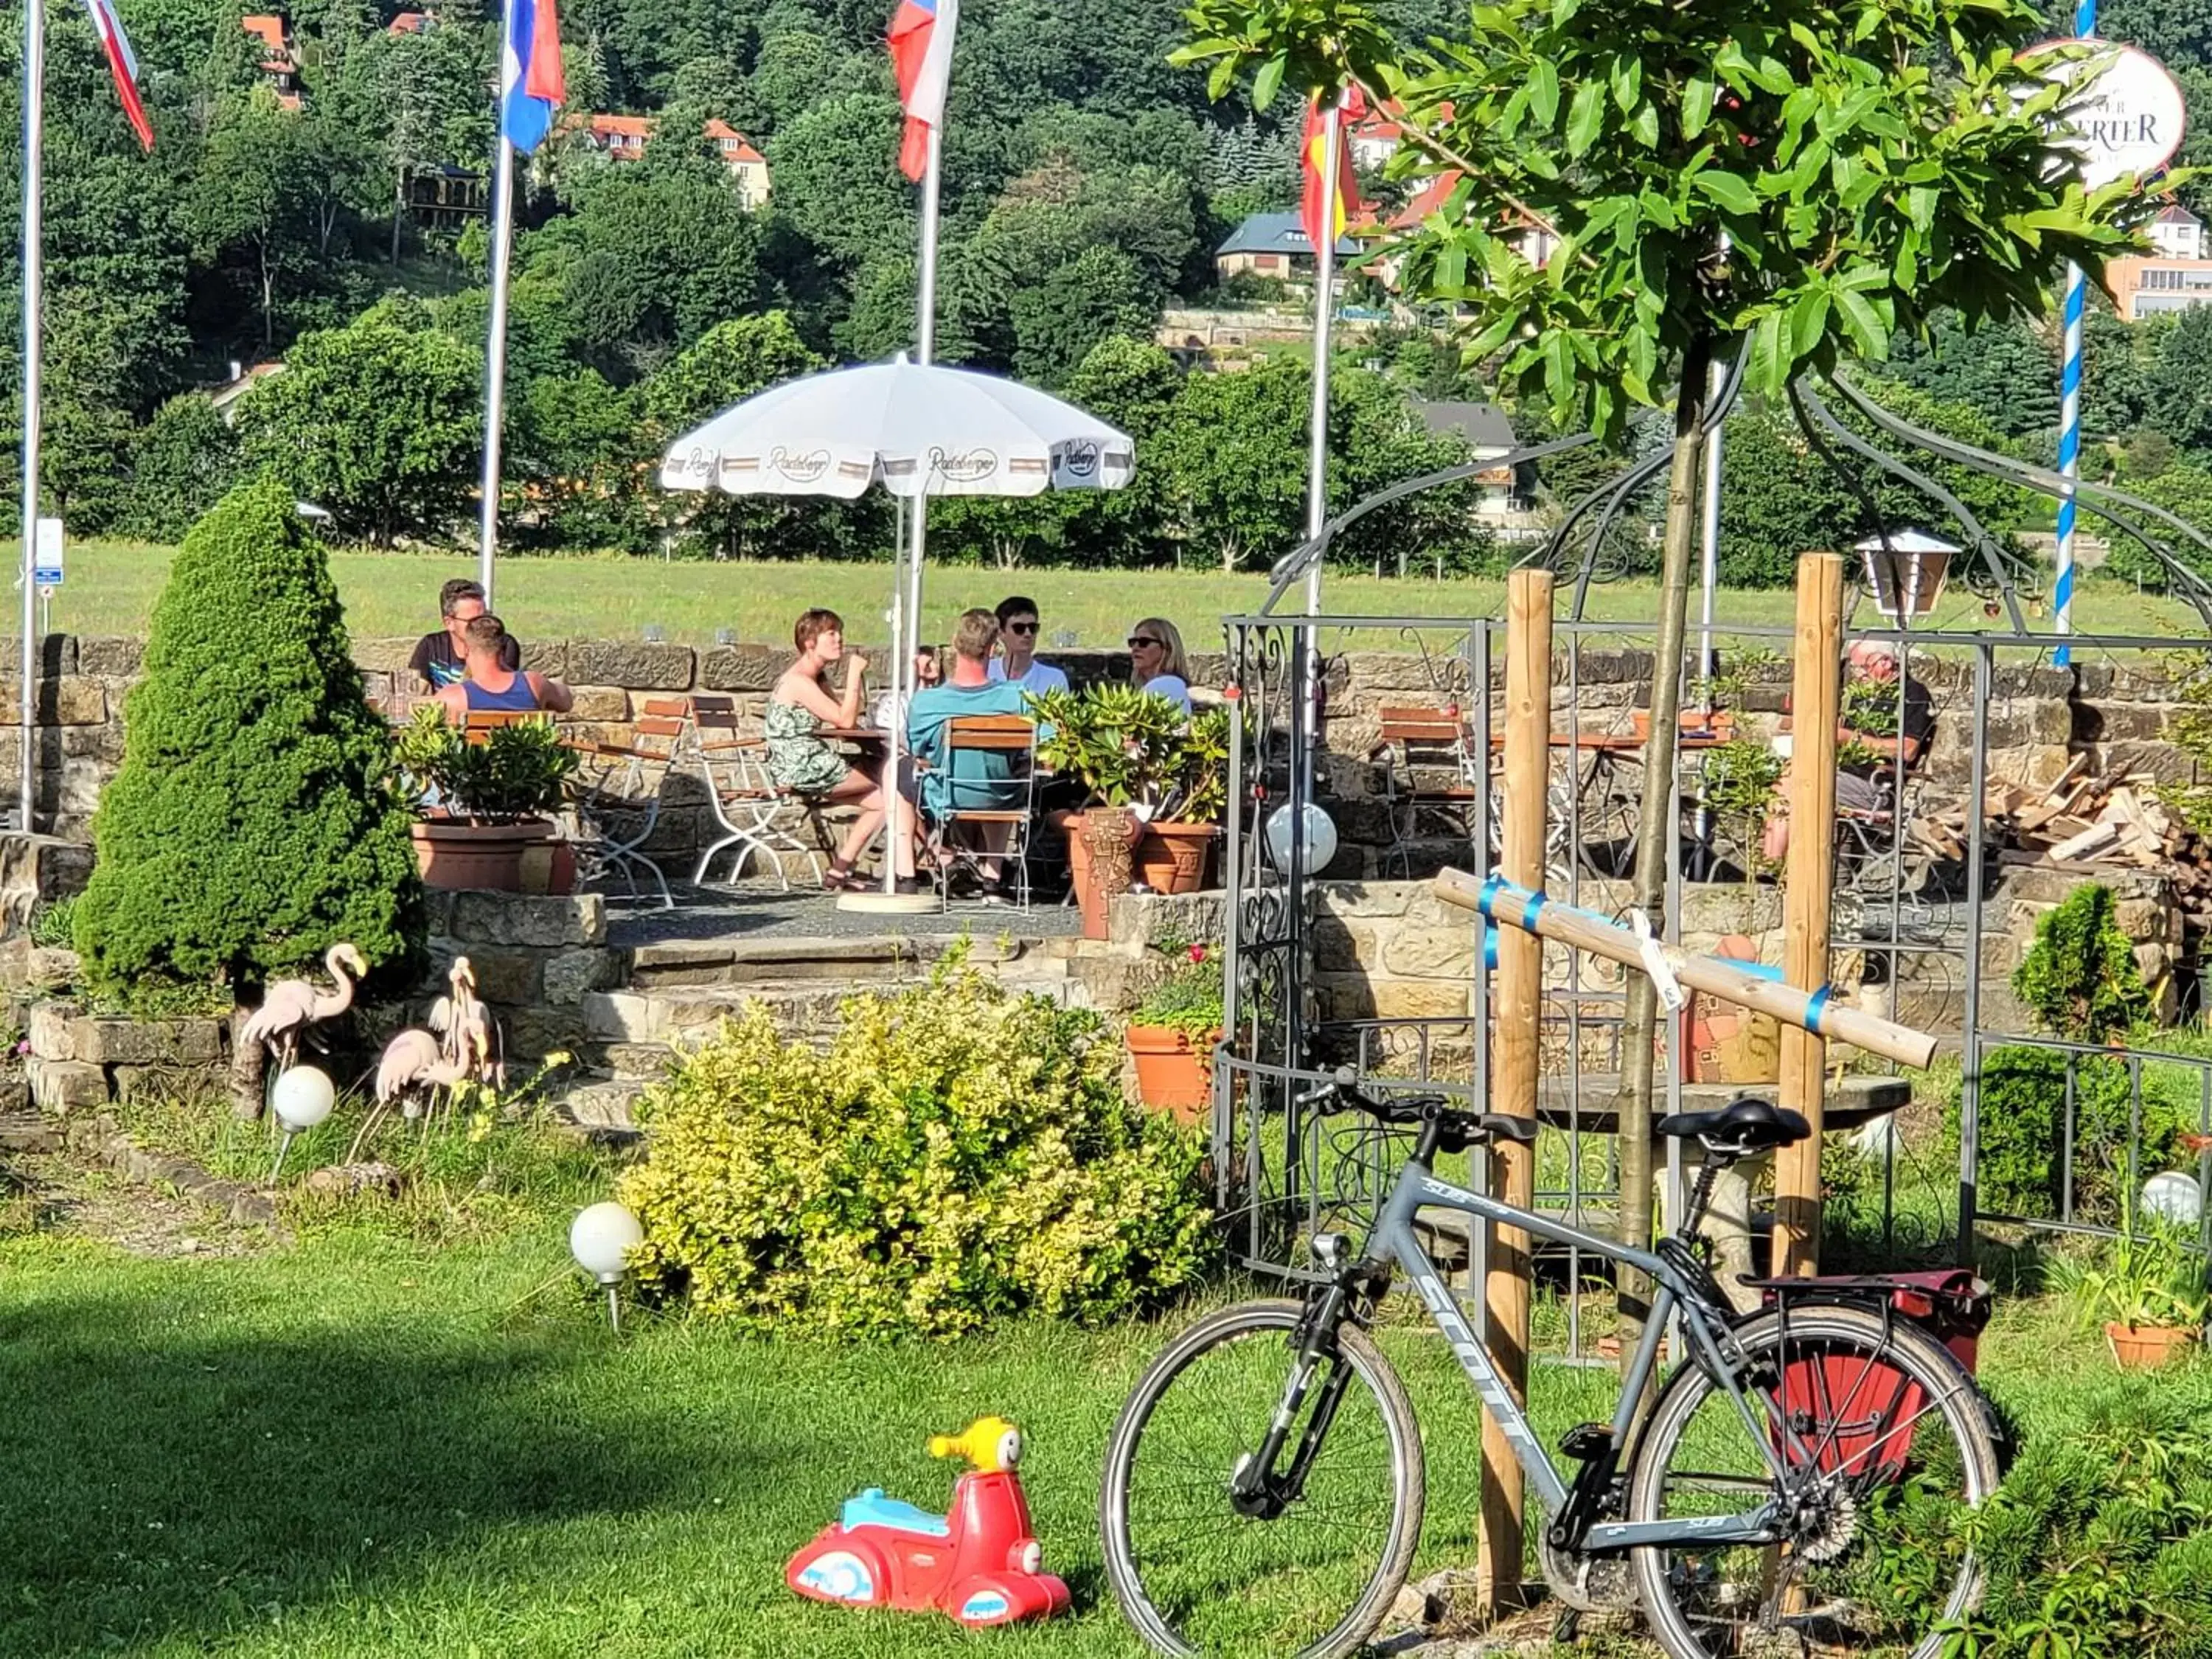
column 1328, row 1251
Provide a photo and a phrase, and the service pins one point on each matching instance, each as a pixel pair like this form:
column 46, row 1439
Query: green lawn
column 112, row 587
column 417, row 1437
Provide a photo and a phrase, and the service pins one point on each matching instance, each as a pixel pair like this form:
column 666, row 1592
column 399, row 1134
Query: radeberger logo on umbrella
column 1079, row 460
column 799, row 468
column 964, row 466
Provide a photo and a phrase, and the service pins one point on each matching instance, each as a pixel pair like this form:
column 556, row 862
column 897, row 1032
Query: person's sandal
column 847, row 880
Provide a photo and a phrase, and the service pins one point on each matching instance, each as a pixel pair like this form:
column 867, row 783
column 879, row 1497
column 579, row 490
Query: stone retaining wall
column 2122, row 715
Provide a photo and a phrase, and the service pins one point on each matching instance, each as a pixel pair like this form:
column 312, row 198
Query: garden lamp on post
column 601, row 1238
column 302, row 1099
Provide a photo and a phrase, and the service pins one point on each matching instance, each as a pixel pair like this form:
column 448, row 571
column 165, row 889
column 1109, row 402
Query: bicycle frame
column 1394, row 1240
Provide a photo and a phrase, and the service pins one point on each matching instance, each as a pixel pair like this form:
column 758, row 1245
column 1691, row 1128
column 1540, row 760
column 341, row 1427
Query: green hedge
column 956, row 1155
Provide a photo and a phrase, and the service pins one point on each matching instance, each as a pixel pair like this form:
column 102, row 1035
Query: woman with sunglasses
column 1155, row 661
column 1017, row 659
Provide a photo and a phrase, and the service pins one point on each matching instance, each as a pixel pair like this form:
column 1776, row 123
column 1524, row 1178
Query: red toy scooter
column 978, row 1564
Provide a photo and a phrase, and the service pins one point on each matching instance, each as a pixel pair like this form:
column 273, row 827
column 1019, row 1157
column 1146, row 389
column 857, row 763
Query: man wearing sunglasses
column 1017, row 638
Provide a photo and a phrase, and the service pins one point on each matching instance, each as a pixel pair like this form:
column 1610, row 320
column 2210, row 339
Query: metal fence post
column 1970, row 1076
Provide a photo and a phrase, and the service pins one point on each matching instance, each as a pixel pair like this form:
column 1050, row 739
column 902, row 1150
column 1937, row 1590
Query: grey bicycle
column 1796, row 1488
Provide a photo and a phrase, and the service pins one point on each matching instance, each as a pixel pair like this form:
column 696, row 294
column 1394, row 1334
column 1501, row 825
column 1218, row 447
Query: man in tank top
column 492, row 687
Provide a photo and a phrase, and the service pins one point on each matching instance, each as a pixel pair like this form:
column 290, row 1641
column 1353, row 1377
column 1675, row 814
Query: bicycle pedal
column 1586, row 1441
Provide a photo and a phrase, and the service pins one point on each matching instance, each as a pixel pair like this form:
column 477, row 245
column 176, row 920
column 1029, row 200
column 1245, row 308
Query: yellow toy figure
column 991, row 1444
column 979, row 1562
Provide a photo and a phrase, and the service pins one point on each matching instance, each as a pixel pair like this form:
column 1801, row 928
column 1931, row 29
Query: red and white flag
column 123, row 65
column 922, row 58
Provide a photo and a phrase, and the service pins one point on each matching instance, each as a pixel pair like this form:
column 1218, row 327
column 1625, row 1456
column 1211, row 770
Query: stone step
column 689, row 1013
column 626, row 1062
column 597, row 1103
column 746, row 960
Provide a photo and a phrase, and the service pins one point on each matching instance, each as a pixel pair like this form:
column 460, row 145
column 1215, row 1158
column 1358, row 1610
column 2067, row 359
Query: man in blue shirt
column 972, row 779
column 1018, row 637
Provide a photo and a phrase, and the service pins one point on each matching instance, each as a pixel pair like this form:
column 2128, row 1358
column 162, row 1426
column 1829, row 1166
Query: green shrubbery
column 956, row 1155
column 251, row 825
column 2079, row 979
column 2100, row 1542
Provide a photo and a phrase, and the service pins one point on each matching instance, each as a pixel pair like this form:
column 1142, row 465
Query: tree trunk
column 1640, row 1020
column 268, row 302
column 399, row 209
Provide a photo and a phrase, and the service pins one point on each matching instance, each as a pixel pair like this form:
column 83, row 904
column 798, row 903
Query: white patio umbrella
column 919, row 430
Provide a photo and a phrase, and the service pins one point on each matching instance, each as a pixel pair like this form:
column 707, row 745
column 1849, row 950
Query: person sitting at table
column 1890, row 749
column 437, row 662
column 492, row 687
column 1016, row 662
column 800, row 760
column 1155, row 661
column 969, row 779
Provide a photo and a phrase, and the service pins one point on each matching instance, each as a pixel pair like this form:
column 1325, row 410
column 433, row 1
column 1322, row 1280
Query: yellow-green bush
column 959, row 1154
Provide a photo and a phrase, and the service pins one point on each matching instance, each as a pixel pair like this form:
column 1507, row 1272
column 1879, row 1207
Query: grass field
column 414, row 1436
column 112, row 587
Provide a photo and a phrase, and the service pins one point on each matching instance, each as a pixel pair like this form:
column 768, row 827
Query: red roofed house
column 411, row 22
column 746, row 164
column 1533, row 244
column 277, row 61
column 621, row 138
column 1374, row 140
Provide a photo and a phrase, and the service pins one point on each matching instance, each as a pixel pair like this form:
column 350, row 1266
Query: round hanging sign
column 2128, row 118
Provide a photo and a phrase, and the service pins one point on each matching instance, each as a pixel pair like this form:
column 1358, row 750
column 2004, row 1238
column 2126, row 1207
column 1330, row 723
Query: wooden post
column 1808, row 873
column 1513, row 1078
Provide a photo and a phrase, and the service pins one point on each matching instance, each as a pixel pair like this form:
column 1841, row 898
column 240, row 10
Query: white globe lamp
column 2174, row 1197
column 601, row 1238
column 1319, row 838
column 303, row 1097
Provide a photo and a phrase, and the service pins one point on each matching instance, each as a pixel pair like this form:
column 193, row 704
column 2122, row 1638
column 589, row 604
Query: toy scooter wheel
column 1312, row 1574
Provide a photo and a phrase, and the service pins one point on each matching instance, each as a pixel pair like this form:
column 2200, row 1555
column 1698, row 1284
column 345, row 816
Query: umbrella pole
column 905, row 630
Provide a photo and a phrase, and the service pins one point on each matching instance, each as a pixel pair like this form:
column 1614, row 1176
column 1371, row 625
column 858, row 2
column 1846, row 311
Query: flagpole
column 906, row 587
column 35, row 123
column 1317, row 437
column 503, row 237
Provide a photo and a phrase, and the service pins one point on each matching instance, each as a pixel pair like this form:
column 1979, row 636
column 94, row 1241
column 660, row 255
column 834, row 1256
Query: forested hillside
column 1087, row 184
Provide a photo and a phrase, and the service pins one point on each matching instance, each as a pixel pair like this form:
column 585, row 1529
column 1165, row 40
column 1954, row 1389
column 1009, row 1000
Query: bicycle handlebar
column 1344, row 1089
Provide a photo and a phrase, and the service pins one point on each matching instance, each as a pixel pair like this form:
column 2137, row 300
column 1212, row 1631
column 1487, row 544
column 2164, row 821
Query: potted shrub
column 484, row 809
column 1130, row 748
column 2149, row 1293
column 1176, row 848
column 1171, row 1035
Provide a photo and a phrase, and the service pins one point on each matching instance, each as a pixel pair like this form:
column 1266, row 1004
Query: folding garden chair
column 614, row 805
column 751, row 808
column 990, row 763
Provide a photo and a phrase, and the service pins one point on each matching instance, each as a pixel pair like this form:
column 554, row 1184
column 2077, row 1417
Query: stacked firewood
column 2084, row 820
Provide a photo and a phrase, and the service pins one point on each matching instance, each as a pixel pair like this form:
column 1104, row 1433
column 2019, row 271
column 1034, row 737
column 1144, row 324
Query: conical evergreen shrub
column 251, row 825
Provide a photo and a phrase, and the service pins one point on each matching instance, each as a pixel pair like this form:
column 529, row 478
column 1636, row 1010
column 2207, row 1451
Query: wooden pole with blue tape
column 1808, row 877
column 1510, row 905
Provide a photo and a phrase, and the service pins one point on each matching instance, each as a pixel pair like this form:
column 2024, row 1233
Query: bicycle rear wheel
column 1886, row 1443
column 1195, row 1576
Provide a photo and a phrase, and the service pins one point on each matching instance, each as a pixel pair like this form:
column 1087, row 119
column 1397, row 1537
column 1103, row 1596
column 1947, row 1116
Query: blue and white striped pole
column 2070, row 455
column 2070, row 412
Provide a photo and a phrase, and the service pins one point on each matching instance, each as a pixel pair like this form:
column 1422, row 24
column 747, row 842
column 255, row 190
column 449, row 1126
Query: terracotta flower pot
column 2145, row 1347
column 1098, row 845
column 455, row 855
column 1171, row 856
column 1175, row 1070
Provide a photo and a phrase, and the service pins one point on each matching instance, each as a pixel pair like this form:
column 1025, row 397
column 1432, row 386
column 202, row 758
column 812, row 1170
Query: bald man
column 1870, row 662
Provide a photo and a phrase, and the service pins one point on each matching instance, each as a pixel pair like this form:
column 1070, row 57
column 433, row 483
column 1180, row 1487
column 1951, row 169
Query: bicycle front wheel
column 1196, row 1576
column 1884, row 1444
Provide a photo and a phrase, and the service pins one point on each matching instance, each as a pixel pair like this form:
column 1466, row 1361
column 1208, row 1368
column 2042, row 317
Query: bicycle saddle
column 1743, row 1127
